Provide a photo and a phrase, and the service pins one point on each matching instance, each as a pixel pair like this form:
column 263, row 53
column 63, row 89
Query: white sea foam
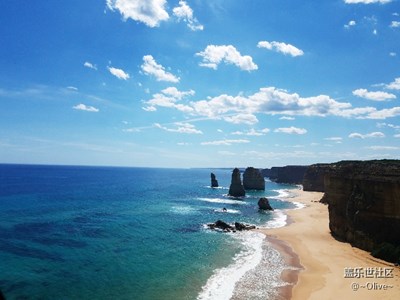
column 299, row 205
column 218, row 187
column 283, row 194
column 183, row 210
column 279, row 220
column 221, row 284
column 222, row 200
column 229, row 211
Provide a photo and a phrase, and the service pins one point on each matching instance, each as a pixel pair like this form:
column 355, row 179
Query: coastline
column 323, row 259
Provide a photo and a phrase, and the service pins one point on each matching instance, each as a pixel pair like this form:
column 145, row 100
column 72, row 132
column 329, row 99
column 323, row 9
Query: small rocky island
column 221, row 225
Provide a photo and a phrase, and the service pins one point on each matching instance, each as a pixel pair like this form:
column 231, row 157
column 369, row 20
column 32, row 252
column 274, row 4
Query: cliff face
column 236, row 188
column 253, row 179
column 287, row 174
column 313, row 180
column 214, row 181
column 363, row 201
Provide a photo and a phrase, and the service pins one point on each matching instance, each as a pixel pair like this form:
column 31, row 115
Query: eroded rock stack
column 263, row 204
column 236, row 188
column 253, row 179
column 214, row 181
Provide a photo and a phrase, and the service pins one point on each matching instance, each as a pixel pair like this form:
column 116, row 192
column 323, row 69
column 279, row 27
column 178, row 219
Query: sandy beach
column 330, row 269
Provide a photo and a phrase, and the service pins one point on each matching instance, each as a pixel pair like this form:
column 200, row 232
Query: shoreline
column 319, row 261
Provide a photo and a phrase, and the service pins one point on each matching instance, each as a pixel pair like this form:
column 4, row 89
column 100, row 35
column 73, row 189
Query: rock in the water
column 220, row 225
column 214, row 181
column 241, row 226
column 263, row 204
column 253, row 179
column 236, row 188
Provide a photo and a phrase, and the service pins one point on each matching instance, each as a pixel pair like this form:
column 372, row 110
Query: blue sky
column 197, row 83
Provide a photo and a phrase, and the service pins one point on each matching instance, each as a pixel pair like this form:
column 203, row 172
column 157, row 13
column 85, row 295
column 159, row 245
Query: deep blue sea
column 69, row 232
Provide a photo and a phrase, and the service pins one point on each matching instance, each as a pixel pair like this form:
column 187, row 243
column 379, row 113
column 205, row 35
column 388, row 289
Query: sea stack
column 236, row 188
column 214, row 181
column 263, row 204
column 253, row 179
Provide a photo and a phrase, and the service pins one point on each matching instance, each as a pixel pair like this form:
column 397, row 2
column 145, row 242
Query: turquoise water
column 130, row 233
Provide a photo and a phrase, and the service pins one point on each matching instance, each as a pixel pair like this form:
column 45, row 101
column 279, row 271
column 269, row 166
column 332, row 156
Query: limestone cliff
column 364, row 202
column 236, row 188
column 313, row 180
column 286, row 174
column 253, row 179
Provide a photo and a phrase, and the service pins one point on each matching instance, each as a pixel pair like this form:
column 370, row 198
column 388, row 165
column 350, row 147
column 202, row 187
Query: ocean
column 75, row 232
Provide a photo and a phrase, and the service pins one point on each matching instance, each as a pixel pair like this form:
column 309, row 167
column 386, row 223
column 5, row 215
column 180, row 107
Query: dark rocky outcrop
column 364, row 204
column 263, row 204
column 236, row 188
column 286, row 174
column 314, row 178
column 228, row 228
column 214, row 181
column 253, row 179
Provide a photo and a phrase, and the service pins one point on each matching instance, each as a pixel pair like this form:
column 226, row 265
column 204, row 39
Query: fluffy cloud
column 185, row 13
column 214, row 55
column 252, row 132
column 225, row 142
column 169, row 98
column 291, row 130
column 280, row 47
column 90, row 65
column 395, row 85
column 270, row 101
column 375, row 96
column 248, row 119
column 350, row 24
column 367, row 1
column 151, row 67
column 395, row 24
column 365, row 136
column 85, row 108
column 119, row 73
column 149, row 12
column 335, row 139
column 181, row 128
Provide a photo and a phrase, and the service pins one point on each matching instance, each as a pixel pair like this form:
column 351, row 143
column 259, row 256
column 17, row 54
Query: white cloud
column 214, row 55
column 397, row 136
column 335, row 139
column 248, row 119
column 225, row 142
column 85, row 108
column 269, row 101
column 174, row 92
column 185, row 13
column 367, row 1
column 181, row 128
column 395, row 24
column 375, row 96
column 287, row 118
column 90, row 65
column 151, row 67
column 119, row 73
column 149, row 12
column 395, row 85
column 291, row 130
column 350, row 24
column 169, row 98
column 252, row 132
column 286, row 49
column 72, row 88
column 365, row 136
column 380, row 148
column 392, row 54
